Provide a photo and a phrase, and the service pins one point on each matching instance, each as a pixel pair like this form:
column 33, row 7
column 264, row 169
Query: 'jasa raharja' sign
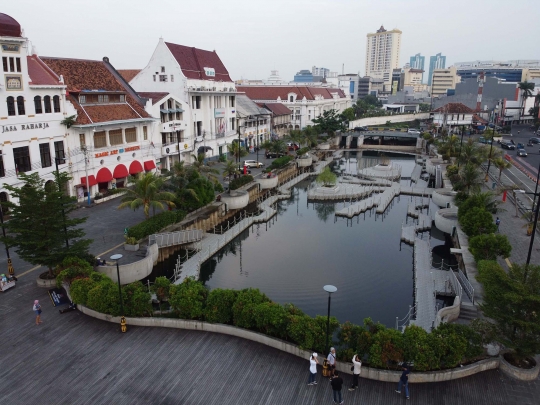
column 24, row 127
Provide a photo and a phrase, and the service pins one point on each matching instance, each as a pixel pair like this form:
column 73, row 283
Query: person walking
column 498, row 223
column 337, row 383
column 357, row 365
column 37, row 309
column 331, row 362
column 313, row 369
column 404, row 380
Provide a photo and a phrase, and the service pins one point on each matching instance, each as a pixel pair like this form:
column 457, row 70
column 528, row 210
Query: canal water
column 305, row 247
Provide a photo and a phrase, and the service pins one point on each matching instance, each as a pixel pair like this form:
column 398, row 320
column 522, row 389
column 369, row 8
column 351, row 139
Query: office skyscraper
column 417, row 62
column 436, row 62
column 382, row 54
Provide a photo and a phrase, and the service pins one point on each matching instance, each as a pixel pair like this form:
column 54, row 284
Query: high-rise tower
column 436, row 62
column 382, row 54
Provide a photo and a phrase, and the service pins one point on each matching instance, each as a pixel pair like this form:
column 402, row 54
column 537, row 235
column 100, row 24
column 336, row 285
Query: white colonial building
column 200, row 83
column 33, row 106
column 305, row 102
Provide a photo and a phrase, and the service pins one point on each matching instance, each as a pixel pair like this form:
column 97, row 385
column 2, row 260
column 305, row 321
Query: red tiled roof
column 87, row 75
column 277, row 108
column 454, row 108
column 128, row 74
column 273, row 92
column 192, row 61
column 9, row 27
column 154, row 96
column 479, row 119
column 40, row 73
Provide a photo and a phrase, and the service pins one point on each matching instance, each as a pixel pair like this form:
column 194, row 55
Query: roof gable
column 128, row 74
column 193, row 62
column 40, row 73
column 455, row 108
column 282, row 92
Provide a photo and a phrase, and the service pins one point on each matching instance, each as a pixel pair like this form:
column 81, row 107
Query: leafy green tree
column 484, row 200
column 187, row 299
column 511, row 300
column 202, row 168
column 489, row 246
column 327, row 178
column 161, row 288
column 387, row 348
column 244, row 307
column 348, row 114
column 330, row 121
column 424, row 107
column 40, row 223
column 219, row 306
column 372, row 100
column 136, row 300
column 477, row 221
column 237, row 150
column 198, row 192
column 146, row 193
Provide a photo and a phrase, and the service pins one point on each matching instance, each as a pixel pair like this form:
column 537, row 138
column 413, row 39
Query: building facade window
column 162, row 78
column 37, row 105
column 145, row 132
column 82, row 140
column 2, row 170
column 47, row 104
column 232, row 100
column 100, row 139
column 115, row 137
column 45, row 153
column 131, row 135
column 82, row 99
column 20, row 106
column 103, row 98
column 5, row 64
column 10, row 105
column 21, row 156
column 56, row 104
column 18, row 63
column 59, row 152
column 172, row 78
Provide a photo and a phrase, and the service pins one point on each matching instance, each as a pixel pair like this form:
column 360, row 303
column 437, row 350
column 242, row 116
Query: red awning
column 149, row 165
column 91, row 179
column 120, row 171
column 135, row 167
column 104, row 175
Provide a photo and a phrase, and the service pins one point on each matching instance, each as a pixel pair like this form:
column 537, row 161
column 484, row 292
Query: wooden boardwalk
column 74, row 359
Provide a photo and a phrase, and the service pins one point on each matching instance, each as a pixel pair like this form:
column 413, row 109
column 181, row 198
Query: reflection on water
column 305, row 247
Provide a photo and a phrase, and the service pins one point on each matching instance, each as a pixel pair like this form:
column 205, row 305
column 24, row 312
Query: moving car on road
column 359, row 129
column 521, row 152
column 508, row 145
column 484, row 140
column 253, row 163
column 413, row 131
column 271, row 155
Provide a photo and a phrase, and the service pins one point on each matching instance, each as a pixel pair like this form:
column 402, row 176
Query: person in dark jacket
column 404, row 380
column 337, row 383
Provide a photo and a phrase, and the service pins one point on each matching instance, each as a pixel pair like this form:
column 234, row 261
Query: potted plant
column 131, row 244
column 488, row 334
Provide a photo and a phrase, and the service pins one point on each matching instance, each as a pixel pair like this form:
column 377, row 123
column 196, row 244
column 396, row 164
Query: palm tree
column 278, row 146
column 147, row 193
column 526, row 92
column 470, row 177
column 296, row 136
column 473, row 153
column 237, row 150
column 230, row 169
column 203, row 169
column 501, row 164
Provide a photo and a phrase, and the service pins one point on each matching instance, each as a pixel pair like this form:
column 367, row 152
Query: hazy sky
column 253, row 37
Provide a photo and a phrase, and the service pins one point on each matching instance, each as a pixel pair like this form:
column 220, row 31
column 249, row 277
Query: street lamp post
column 329, row 289
column 11, row 271
column 123, row 324
column 490, row 150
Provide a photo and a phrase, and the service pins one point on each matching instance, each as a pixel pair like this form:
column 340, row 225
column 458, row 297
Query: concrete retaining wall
column 344, row 367
column 236, row 199
column 267, row 183
column 388, row 147
column 441, row 197
column 364, row 122
column 136, row 271
column 304, row 162
column 446, row 219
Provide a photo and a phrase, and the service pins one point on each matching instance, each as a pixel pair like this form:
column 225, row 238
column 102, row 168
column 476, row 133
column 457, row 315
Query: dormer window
column 82, row 99
column 103, row 98
column 291, row 99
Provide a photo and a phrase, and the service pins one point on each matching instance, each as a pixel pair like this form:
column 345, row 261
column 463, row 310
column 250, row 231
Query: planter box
column 236, row 199
column 46, row 283
column 304, row 162
column 519, row 373
column 131, row 248
column 267, row 183
column 109, row 197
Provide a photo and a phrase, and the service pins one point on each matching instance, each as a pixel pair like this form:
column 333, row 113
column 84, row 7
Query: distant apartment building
column 382, row 54
column 417, row 62
column 443, row 80
column 412, row 78
column 436, row 62
column 349, row 84
column 305, row 76
column 511, row 70
column 320, row 71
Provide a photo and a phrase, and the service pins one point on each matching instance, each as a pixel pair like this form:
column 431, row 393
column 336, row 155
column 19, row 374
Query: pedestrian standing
column 404, row 380
column 498, row 223
column 331, row 362
column 357, row 365
column 337, row 383
column 313, row 369
column 37, row 310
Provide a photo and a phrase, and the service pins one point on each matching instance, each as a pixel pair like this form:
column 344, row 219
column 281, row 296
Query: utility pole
column 85, row 151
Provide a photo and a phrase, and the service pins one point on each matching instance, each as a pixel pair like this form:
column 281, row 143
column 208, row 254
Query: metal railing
column 466, row 284
column 404, row 322
column 175, row 238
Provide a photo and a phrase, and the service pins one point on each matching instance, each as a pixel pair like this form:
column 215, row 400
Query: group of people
column 337, row 382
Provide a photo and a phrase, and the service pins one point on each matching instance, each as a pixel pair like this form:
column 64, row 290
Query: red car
column 292, row 146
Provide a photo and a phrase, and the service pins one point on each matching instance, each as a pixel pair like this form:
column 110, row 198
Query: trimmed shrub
column 417, row 348
column 137, row 299
column 489, row 247
column 386, row 349
column 71, row 268
column 279, row 163
column 477, row 221
column 155, row 224
column 240, row 181
column 103, row 297
column 271, row 319
column 244, row 306
column 302, row 151
column 188, row 299
column 219, row 305
column 79, row 290
column 449, row 344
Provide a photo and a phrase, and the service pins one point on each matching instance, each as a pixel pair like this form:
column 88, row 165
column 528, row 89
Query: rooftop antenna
column 343, row 68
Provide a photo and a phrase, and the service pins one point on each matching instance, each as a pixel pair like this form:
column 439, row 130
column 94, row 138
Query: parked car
column 253, row 163
column 534, row 140
column 358, row 129
column 521, row 152
column 292, row 146
column 508, row 145
column 272, row 155
column 413, row 131
column 484, row 140
column 520, row 146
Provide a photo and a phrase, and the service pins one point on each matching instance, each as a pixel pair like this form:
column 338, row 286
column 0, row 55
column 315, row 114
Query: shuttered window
column 131, row 135
column 115, row 137
column 100, row 140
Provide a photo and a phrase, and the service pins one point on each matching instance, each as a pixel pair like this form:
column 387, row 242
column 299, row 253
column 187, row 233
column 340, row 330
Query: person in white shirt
column 313, row 369
column 331, row 361
column 357, row 365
